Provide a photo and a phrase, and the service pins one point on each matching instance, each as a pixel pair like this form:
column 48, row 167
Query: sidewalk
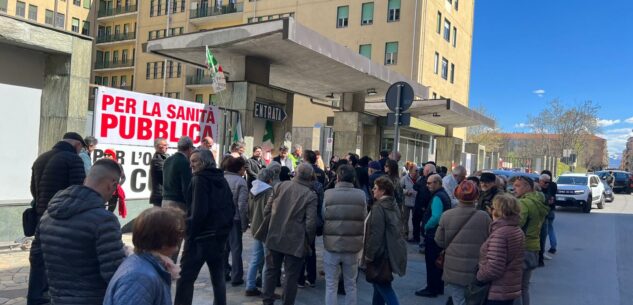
column 14, row 268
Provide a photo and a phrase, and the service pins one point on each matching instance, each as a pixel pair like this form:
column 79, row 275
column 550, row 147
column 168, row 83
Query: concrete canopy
column 301, row 60
column 443, row 112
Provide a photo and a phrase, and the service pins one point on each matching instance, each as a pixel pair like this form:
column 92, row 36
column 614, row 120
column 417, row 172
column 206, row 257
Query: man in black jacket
column 254, row 165
column 81, row 240
column 422, row 200
column 53, row 171
column 156, row 172
column 177, row 175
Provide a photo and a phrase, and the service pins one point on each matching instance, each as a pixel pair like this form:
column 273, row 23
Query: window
column 87, row 4
column 159, row 8
column 113, row 81
column 444, row 68
column 367, row 13
column 123, row 80
column 436, row 62
column 439, row 22
column 365, row 50
column 20, row 9
column 199, row 98
column 104, row 81
column 126, row 28
column 77, row 2
column 434, row 95
column 117, row 30
column 59, row 20
column 447, row 30
column 124, row 56
column 391, row 53
column 3, row 6
column 86, row 28
column 115, row 57
column 452, row 73
column 170, row 69
column 33, row 12
column 75, row 25
column 151, row 8
column 342, row 14
column 456, row 5
column 393, row 10
column 147, row 68
column 155, row 70
column 182, row 7
column 149, row 35
column 98, row 80
column 454, row 37
column 178, row 71
column 450, row 2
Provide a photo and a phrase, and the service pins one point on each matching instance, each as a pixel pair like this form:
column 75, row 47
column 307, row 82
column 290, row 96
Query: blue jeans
column 550, row 230
column 256, row 264
column 384, row 294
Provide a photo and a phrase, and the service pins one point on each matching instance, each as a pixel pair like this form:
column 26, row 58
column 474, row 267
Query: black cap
column 74, row 136
column 488, row 177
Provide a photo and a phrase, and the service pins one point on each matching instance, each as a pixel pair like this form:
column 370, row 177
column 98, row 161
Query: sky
column 526, row 53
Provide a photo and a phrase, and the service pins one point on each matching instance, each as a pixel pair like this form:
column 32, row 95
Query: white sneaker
column 547, row 257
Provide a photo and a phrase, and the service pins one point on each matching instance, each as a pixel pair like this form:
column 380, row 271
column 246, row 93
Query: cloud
column 540, row 93
column 629, row 120
column 607, row 123
column 618, row 130
column 616, row 139
column 523, row 125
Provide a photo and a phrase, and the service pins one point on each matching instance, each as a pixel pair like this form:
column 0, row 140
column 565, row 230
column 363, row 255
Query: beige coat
column 383, row 235
column 344, row 211
column 291, row 215
column 462, row 254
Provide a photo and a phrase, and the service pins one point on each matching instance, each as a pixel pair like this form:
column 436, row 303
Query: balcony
column 116, row 37
column 114, row 66
column 198, row 15
column 196, row 80
column 115, row 11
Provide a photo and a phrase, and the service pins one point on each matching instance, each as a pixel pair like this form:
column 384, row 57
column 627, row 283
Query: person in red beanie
column 119, row 194
column 461, row 233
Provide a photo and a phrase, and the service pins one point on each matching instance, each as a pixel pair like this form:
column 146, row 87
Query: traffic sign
column 406, row 96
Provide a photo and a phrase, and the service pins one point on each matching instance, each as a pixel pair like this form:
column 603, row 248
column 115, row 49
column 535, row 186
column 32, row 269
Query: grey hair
column 304, row 172
column 206, row 158
column 283, row 148
column 266, row 175
column 90, row 140
column 435, row 177
column 460, row 170
column 545, row 177
column 275, row 167
column 157, row 141
column 431, row 168
column 297, row 146
column 185, row 143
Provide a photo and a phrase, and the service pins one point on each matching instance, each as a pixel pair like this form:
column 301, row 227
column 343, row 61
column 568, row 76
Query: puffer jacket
column 462, row 247
column 534, row 209
column 140, row 280
column 54, row 171
column 239, row 188
column 345, row 211
column 501, row 259
column 81, row 244
column 257, row 199
column 383, row 235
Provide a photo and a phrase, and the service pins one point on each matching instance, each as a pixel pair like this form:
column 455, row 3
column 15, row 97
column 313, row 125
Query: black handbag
column 29, row 221
column 476, row 292
column 379, row 271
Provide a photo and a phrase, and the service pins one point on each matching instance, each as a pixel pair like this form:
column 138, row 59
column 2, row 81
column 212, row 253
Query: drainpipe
column 169, row 3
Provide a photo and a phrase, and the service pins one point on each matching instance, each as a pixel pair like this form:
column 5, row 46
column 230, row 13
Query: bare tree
column 484, row 135
column 572, row 126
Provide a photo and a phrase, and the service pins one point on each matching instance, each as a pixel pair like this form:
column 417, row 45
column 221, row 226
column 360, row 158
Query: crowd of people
column 480, row 242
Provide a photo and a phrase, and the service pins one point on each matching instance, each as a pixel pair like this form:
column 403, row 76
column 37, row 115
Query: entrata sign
column 269, row 112
column 131, row 118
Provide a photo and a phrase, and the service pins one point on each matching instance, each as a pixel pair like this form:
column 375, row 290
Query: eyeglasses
column 430, row 183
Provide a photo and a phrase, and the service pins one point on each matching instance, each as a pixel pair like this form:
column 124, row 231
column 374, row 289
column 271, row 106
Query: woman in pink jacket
column 501, row 255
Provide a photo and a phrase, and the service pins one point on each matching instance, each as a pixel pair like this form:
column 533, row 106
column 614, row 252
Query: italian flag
column 212, row 63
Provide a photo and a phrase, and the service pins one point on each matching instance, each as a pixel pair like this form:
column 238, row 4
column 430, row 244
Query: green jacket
column 533, row 212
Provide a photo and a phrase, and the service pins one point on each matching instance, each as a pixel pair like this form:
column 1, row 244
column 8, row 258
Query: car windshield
column 572, row 180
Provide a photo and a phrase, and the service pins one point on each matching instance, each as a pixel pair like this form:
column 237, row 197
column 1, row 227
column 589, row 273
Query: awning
column 301, row 60
column 441, row 112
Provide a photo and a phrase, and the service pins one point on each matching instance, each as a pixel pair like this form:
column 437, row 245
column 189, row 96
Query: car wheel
column 601, row 202
column 587, row 207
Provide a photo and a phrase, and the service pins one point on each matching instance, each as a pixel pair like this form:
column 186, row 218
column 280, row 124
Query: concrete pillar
column 448, row 151
column 347, row 132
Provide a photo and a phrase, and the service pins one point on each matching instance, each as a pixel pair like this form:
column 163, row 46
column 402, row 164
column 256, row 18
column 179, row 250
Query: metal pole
column 396, row 142
column 169, row 2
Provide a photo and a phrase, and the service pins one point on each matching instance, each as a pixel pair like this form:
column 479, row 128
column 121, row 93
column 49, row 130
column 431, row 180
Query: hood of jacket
column 74, row 200
column 512, row 221
column 387, row 202
column 212, row 175
column 259, row 187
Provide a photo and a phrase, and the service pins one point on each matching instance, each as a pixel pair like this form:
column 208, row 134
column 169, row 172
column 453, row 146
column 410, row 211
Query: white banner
column 130, row 118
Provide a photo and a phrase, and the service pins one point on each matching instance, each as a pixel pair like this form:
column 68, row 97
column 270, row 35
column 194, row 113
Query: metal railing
column 199, row 80
column 207, row 11
column 110, row 65
column 113, row 11
column 116, row 37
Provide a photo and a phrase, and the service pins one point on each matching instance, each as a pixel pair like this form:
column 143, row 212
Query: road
column 593, row 266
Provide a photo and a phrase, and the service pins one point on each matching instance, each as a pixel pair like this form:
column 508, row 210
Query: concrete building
column 425, row 42
column 627, row 156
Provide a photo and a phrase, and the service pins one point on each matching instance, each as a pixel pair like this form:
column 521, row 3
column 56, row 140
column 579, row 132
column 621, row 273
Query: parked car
column 608, row 191
column 623, row 180
column 580, row 190
column 508, row 175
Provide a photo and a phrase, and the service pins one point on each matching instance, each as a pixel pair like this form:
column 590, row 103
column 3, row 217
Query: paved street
column 593, row 266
